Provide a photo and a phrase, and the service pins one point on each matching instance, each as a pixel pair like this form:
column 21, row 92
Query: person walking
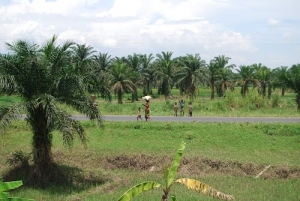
column 190, row 109
column 139, row 115
column 147, row 108
column 181, row 103
column 175, row 109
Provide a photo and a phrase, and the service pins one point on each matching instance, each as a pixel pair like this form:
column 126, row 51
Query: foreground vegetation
column 227, row 156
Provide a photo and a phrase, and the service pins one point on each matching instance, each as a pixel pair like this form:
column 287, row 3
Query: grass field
column 226, row 156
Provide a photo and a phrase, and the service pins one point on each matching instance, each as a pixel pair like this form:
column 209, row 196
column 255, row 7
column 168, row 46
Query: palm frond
column 85, row 105
column 10, row 113
column 69, row 127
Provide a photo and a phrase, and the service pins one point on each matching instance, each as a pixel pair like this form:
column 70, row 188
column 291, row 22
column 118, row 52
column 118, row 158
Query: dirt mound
column 198, row 166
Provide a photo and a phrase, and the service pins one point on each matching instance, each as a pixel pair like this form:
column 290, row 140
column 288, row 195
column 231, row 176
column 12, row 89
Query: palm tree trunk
column 120, row 97
column 41, row 142
column 282, row 91
column 212, row 81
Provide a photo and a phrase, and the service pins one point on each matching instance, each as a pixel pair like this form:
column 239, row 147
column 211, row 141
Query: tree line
column 49, row 73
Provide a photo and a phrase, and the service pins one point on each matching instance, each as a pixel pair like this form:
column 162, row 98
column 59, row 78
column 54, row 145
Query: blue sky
column 256, row 31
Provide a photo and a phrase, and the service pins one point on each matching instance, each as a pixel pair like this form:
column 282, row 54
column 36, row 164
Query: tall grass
column 233, row 104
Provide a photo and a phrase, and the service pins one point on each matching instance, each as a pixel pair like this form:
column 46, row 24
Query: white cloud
column 208, row 27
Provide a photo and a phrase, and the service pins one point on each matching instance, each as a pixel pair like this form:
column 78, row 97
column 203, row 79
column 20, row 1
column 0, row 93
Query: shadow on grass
column 64, row 180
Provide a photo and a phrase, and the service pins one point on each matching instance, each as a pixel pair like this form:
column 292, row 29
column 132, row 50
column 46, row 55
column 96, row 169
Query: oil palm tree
column 263, row 76
column 148, row 72
column 101, row 63
column 294, row 82
column 134, row 63
column 247, row 76
column 43, row 77
column 191, row 73
column 120, row 78
column 165, row 72
column 215, row 68
column 281, row 76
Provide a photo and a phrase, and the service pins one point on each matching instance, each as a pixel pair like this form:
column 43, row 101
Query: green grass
column 259, row 144
column 233, row 105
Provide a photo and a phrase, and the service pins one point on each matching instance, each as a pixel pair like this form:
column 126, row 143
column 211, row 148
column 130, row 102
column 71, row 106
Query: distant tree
column 100, row 74
column 43, row 77
column 120, row 78
column 191, row 73
column 247, row 76
column 263, row 76
column 281, row 78
column 294, row 82
column 165, row 72
column 148, row 73
column 215, row 70
column 134, row 63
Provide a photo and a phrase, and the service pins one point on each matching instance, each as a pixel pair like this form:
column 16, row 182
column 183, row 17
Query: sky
column 247, row 31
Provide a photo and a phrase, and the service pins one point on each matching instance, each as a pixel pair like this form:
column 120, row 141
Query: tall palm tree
column 148, row 73
column 120, row 78
column 82, row 58
column 281, row 75
column 43, row 77
column 263, row 76
column 215, row 68
column 134, row 63
column 165, row 72
column 191, row 73
column 247, row 76
column 100, row 74
column 225, row 80
column 294, row 82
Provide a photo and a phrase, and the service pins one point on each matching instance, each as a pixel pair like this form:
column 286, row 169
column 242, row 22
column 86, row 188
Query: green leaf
column 175, row 164
column 5, row 186
column 138, row 189
column 166, row 174
column 3, row 195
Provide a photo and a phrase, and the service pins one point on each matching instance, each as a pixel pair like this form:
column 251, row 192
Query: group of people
column 181, row 104
column 147, row 109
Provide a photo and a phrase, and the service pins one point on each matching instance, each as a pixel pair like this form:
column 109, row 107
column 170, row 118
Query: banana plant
column 169, row 180
column 6, row 186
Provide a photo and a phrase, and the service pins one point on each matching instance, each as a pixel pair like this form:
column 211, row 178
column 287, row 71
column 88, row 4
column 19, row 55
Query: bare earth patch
column 198, row 166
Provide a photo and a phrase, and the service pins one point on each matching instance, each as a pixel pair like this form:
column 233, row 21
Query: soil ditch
column 198, row 166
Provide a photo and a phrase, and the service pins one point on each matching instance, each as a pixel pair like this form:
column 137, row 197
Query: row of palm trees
column 127, row 74
column 44, row 75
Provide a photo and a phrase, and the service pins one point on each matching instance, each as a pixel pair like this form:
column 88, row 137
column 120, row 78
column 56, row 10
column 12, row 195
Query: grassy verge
column 226, row 156
column 232, row 105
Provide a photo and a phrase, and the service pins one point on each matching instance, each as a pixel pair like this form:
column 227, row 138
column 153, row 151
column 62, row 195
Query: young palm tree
column 191, row 73
column 120, row 78
column 165, row 71
column 43, row 77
